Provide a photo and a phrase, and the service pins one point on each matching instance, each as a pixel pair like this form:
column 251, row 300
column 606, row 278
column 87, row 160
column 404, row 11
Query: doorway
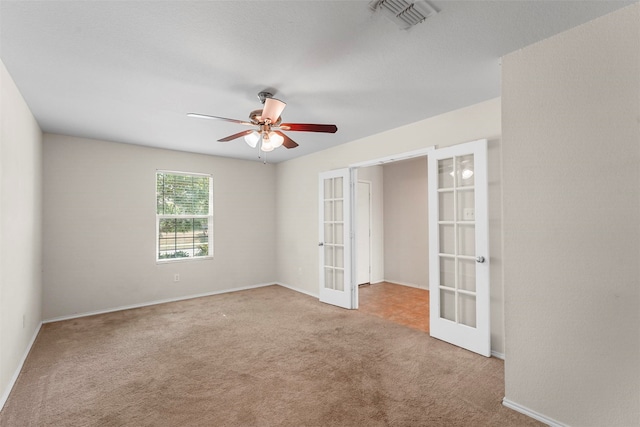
column 399, row 290
column 458, row 257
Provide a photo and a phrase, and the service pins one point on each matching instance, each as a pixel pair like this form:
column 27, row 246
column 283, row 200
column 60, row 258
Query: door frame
column 353, row 167
column 370, row 213
column 394, row 158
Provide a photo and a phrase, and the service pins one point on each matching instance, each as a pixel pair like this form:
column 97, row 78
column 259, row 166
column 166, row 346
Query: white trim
column 183, row 216
column 296, row 289
column 155, row 302
column 355, row 227
column 183, row 173
column 411, row 285
column 164, row 301
column 531, row 413
column 497, row 355
column 353, row 200
column 14, row 378
column 183, row 259
column 394, row 157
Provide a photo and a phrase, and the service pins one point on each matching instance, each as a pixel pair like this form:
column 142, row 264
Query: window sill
column 184, row 259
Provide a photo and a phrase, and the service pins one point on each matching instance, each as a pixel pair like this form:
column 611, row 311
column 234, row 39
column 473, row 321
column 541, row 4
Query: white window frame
column 209, row 218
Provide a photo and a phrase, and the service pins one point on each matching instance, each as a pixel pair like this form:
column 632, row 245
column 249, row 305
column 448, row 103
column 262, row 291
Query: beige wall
column 297, row 206
column 99, row 226
column 406, row 225
column 20, row 229
column 374, row 175
column 571, row 155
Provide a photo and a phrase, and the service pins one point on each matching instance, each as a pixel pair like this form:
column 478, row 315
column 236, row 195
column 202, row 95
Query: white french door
column 459, row 246
column 335, row 238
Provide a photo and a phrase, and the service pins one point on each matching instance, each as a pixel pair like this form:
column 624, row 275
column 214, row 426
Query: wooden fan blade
column 288, row 142
column 272, row 109
column 235, row 136
column 204, row 116
column 309, row 127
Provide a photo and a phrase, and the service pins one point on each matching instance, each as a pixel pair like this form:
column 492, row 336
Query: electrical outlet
column 24, row 321
column 176, row 277
column 469, row 214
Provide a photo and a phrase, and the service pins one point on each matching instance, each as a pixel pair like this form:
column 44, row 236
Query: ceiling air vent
column 405, row 13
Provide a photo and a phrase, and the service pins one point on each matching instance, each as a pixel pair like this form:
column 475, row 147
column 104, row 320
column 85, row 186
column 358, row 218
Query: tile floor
column 401, row 304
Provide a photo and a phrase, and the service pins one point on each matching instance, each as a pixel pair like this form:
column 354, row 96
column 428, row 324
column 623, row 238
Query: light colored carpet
column 263, row 357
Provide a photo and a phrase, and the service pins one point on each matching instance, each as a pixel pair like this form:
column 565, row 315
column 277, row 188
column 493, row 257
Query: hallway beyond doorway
column 401, row 304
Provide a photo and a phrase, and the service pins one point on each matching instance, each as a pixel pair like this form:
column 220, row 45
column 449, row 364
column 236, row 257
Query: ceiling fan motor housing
column 262, row 96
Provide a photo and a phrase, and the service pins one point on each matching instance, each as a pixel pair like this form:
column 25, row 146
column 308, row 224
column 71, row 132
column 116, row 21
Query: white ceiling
column 129, row 71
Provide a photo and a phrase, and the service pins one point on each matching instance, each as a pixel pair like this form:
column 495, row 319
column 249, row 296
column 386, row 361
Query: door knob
column 320, row 244
column 480, row 259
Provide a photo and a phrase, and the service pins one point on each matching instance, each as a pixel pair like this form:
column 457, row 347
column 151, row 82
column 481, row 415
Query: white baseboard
column 411, row 285
column 531, row 413
column 302, row 291
column 497, row 355
column 14, row 378
column 162, row 301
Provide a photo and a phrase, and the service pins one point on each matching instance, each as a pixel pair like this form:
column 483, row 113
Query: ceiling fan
column 267, row 125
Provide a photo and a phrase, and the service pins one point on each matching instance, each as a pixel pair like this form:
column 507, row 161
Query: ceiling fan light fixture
column 266, row 146
column 276, row 140
column 252, row 139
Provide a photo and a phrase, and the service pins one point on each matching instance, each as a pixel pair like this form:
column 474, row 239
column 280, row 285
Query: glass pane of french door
column 456, row 198
column 333, row 234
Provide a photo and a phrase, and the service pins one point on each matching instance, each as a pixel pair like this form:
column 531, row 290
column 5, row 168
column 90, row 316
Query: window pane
column 182, row 194
column 466, row 239
column 445, row 205
column 328, row 211
column 337, row 188
column 467, row 275
column 183, row 238
column 447, row 240
column 464, row 171
column 467, row 309
column 445, row 173
column 329, row 281
column 328, row 188
column 448, row 272
column 201, row 236
column 447, row 305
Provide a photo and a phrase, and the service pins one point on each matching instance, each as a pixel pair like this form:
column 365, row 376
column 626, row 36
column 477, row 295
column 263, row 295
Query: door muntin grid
column 457, row 248
column 334, row 233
